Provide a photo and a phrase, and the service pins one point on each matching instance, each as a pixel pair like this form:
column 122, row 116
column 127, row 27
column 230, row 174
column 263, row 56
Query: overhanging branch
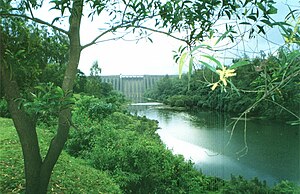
column 95, row 40
column 35, row 20
column 160, row 32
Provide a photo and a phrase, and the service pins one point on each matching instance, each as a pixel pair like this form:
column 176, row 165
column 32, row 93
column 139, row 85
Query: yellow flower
column 225, row 73
column 214, row 86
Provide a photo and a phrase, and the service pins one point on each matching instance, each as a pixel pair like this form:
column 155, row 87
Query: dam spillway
column 133, row 86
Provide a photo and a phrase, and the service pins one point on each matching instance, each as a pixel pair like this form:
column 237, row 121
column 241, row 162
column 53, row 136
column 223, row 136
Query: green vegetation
column 115, row 152
column 129, row 149
column 272, row 81
column 70, row 175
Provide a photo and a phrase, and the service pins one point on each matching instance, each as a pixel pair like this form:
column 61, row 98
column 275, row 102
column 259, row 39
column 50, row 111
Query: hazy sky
column 144, row 57
column 131, row 58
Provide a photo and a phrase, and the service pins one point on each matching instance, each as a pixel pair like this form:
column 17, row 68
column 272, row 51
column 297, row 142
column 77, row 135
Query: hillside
column 70, row 175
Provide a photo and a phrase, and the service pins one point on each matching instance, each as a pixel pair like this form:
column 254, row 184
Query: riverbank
column 273, row 147
column 79, row 177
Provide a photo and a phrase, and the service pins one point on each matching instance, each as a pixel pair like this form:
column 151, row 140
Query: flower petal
column 214, row 86
column 224, row 82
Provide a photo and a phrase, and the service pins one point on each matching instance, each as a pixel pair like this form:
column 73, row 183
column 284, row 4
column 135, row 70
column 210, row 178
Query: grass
column 70, row 175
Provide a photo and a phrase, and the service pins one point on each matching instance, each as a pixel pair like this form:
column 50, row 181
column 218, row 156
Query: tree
column 195, row 18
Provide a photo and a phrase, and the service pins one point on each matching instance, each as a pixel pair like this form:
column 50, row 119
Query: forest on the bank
column 265, row 88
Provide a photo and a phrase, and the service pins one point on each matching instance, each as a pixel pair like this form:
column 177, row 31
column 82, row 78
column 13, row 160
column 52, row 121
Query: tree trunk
column 25, row 126
column 64, row 119
column 38, row 172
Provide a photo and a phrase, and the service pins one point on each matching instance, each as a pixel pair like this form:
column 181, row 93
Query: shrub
column 285, row 187
column 70, row 175
column 140, row 164
column 4, row 109
column 240, row 185
column 95, row 108
column 128, row 148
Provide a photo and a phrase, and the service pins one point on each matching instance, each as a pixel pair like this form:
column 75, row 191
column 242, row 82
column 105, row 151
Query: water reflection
column 274, row 147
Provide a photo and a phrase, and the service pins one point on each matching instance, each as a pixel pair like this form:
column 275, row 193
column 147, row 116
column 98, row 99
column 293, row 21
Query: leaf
column 246, row 2
column 223, row 36
column 181, row 63
column 59, row 91
column 234, row 88
column 181, row 49
column 20, row 52
column 214, row 60
column 291, row 14
column 191, row 65
column 228, row 14
column 55, row 20
column 208, row 66
column 239, row 64
column 40, row 88
column 150, row 39
column 245, row 23
column 296, row 122
column 281, row 24
column 252, row 17
column 261, row 29
column 191, row 62
column 261, row 7
column 267, row 22
column 200, row 46
column 272, row 10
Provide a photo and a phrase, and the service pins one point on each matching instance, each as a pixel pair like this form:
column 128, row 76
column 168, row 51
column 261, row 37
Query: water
column 273, row 147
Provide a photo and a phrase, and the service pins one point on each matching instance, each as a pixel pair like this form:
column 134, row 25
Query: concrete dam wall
column 132, row 86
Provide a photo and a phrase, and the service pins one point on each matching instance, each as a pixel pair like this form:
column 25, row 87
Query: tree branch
column 94, row 41
column 267, row 93
column 29, row 7
column 161, row 32
column 35, row 20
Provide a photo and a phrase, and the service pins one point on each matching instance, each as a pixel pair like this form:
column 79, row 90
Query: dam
column 133, row 86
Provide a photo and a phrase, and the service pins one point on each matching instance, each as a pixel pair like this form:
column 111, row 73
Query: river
column 273, row 147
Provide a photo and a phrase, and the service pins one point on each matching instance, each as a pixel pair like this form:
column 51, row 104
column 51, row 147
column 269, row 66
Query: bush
column 4, row 109
column 141, row 164
column 285, row 187
column 81, row 140
column 128, row 148
column 69, row 175
column 95, row 108
column 240, row 185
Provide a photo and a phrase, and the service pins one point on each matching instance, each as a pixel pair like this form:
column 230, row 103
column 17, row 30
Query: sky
column 131, row 58
column 117, row 57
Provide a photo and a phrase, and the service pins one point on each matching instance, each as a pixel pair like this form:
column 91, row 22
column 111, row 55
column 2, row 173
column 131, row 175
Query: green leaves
column 217, row 62
column 130, row 150
column 180, row 16
column 181, row 62
column 240, row 63
column 31, row 51
column 46, row 99
column 217, row 67
column 62, row 5
column 207, row 65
